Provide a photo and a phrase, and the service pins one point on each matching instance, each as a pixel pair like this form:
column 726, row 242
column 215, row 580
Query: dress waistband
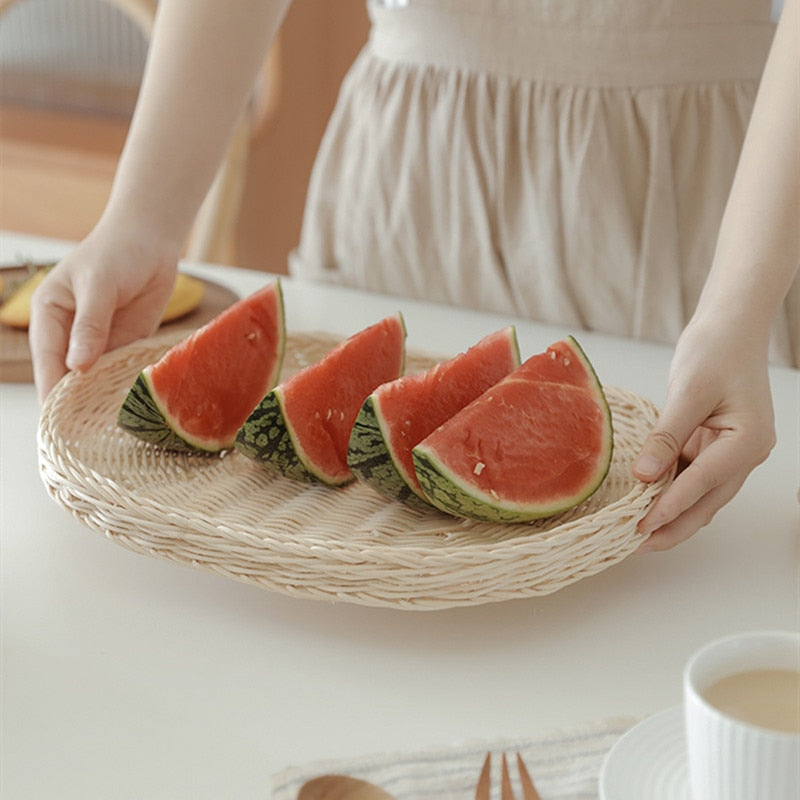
column 591, row 56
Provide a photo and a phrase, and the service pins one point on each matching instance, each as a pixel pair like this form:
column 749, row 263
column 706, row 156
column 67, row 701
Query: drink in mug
column 742, row 707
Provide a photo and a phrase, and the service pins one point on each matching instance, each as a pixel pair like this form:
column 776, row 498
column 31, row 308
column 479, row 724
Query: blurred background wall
column 69, row 75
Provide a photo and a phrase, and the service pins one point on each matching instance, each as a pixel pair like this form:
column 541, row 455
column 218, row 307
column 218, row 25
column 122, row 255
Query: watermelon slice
column 302, row 427
column 398, row 415
column 199, row 393
column 537, row 443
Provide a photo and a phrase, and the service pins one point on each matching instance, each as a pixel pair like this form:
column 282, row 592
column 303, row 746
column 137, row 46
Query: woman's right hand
column 109, row 291
column 202, row 59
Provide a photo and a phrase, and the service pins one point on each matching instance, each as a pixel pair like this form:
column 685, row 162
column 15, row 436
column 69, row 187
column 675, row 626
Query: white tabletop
column 125, row 676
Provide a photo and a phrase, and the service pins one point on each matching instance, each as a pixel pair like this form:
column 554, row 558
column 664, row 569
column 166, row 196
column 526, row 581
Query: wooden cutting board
column 15, row 354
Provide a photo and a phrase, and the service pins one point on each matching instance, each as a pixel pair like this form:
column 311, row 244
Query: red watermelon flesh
column 413, row 406
column 320, row 402
column 207, row 384
column 536, row 443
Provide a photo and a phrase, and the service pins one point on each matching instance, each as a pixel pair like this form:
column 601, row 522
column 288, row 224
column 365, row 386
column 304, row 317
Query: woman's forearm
column 718, row 412
column 203, row 58
column 758, row 248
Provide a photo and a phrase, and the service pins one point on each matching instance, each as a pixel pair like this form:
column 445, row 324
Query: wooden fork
column 506, row 791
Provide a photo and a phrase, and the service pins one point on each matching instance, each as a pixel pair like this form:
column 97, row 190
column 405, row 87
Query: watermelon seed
column 479, row 467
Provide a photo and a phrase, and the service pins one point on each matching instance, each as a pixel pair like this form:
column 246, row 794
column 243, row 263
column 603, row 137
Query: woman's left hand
column 717, row 425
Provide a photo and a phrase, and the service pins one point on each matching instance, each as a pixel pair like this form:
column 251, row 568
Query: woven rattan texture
column 226, row 514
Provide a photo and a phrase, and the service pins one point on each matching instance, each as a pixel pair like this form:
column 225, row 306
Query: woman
column 569, row 161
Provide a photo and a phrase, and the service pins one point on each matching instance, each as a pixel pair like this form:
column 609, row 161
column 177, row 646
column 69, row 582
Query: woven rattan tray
column 227, row 515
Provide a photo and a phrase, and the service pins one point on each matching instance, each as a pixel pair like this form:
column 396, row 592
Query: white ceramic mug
column 733, row 759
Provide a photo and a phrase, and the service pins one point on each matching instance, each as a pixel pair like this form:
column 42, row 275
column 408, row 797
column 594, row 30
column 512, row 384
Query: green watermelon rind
column 281, row 354
column 447, row 491
column 602, row 401
column 142, row 416
column 269, row 439
column 372, row 461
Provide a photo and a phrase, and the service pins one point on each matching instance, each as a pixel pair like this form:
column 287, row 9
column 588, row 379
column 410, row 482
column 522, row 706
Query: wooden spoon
column 341, row 787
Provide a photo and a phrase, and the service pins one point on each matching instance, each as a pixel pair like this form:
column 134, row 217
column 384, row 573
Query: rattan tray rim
column 105, row 504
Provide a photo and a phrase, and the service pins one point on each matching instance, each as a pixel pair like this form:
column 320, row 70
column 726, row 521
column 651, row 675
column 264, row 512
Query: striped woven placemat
column 564, row 764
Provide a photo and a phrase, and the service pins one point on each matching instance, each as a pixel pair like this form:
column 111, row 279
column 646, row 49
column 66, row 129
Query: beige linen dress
column 562, row 160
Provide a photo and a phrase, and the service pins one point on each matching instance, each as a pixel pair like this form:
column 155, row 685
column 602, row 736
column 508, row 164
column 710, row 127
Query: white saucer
column 648, row 761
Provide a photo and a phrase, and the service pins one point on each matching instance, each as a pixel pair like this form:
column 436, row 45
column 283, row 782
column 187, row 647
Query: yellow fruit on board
column 186, row 296
column 16, row 311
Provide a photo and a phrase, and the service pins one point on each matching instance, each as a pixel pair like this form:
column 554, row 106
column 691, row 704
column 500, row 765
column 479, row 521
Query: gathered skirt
column 565, row 161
